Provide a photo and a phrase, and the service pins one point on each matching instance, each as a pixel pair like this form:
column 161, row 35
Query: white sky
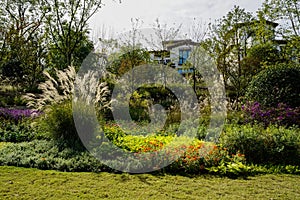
column 116, row 16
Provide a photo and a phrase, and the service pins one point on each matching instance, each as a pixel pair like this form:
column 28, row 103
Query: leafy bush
column 11, row 132
column 276, row 84
column 58, row 121
column 261, row 55
column 273, row 145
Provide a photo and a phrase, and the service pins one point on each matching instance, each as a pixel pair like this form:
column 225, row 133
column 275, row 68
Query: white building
column 175, row 54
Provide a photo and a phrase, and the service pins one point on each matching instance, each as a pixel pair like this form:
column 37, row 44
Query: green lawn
column 20, row 183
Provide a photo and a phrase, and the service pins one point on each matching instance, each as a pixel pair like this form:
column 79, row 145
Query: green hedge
column 43, row 154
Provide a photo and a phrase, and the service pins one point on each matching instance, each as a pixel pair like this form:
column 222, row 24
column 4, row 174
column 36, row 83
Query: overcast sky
column 117, row 15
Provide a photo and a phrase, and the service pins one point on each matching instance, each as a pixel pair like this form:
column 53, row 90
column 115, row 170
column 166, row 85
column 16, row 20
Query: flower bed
column 17, row 124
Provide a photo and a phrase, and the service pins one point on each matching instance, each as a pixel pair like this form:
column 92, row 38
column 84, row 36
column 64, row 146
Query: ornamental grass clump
column 60, row 89
column 55, row 100
column 53, row 91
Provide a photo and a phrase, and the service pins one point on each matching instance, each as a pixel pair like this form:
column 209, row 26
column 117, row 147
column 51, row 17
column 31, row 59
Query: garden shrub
column 143, row 97
column 58, row 121
column 276, row 84
column 261, row 55
column 273, row 145
column 11, row 132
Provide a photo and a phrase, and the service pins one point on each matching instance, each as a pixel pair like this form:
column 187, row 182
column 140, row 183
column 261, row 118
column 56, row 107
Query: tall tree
column 263, row 50
column 196, row 32
column 129, row 59
column 164, row 32
column 286, row 12
column 22, row 41
column 227, row 44
column 131, row 52
column 67, row 26
column 74, row 55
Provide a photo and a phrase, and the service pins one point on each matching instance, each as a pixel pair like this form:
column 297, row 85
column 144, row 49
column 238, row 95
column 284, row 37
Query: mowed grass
column 20, row 183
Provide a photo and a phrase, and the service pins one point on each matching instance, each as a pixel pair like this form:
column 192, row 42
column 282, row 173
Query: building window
column 183, row 56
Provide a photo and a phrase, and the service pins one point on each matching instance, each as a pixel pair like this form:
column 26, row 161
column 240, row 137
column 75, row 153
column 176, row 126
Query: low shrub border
column 44, row 154
column 272, row 145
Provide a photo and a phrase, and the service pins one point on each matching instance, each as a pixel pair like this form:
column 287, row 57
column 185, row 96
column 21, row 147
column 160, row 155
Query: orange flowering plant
column 191, row 157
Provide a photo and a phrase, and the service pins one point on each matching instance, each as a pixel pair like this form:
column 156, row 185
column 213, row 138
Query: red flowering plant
column 199, row 157
column 194, row 158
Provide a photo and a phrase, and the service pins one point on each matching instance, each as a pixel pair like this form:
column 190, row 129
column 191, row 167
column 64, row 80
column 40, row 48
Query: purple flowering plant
column 16, row 124
column 282, row 114
column 18, row 114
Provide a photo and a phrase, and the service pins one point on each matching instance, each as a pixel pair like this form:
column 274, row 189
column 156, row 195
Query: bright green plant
column 232, row 169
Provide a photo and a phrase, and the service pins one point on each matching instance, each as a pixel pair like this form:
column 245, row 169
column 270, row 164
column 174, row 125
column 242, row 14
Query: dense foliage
column 242, row 146
column 17, row 125
column 276, row 84
column 272, row 145
column 59, row 122
column 261, row 75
